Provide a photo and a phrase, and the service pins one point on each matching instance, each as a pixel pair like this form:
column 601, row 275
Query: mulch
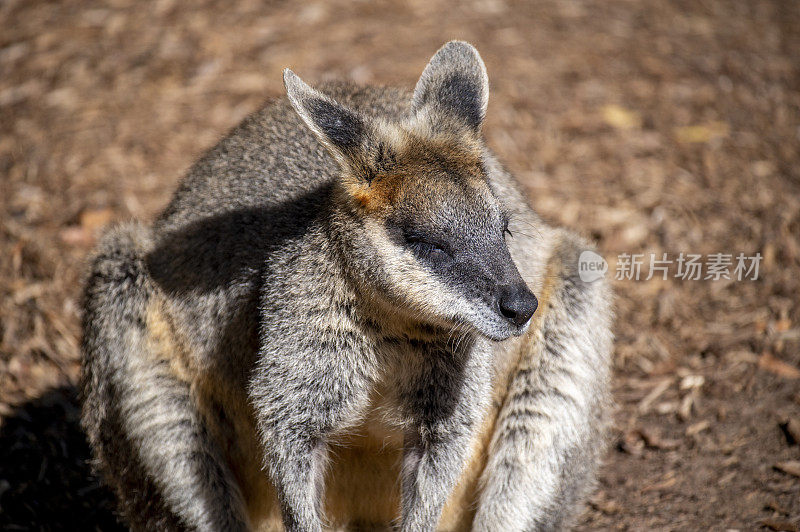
column 649, row 127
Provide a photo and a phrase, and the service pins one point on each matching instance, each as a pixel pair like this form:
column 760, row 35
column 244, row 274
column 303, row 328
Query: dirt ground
column 649, row 127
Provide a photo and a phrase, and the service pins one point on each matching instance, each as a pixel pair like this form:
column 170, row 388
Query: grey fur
column 264, row 293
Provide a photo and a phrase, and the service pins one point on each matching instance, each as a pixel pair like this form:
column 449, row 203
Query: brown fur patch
column 375, row 195
column 231, row 423
column 225, row 410
column 363, row 483
column 166, row 344
column 416, row 160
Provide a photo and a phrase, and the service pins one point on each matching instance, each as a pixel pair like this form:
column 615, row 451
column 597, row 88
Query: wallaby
column 331, row 325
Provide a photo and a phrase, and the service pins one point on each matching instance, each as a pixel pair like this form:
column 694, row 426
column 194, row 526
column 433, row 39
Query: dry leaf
column 90, row 222
column 621, row 118
column 92, row 219
column 777, row 366
column 701, row 132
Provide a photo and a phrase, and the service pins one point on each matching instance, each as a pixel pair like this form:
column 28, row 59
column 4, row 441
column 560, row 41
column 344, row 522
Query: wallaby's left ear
column 341, row 130
column 454, row 85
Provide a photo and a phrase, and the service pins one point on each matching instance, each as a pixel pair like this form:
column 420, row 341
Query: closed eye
column 426, row 248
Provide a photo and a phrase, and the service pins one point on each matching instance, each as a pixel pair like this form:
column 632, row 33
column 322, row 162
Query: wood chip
column 743, row 356
column 685, row 408
column 667, row 407
column 631, row 443
column 654, row 440
column 790, row 467
column 76, row 236
column 791, row 429
column 697, row 428
column 775, row 507
column 777, row 366
column 727, row 478
column 660, row 388
column 777, row 524
column 607, row 506
column 731, row 460
column 690, row 382
column 668, row 483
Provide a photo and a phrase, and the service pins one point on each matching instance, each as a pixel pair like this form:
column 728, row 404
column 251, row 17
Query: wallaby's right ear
column 454, row 86
column 340, row 129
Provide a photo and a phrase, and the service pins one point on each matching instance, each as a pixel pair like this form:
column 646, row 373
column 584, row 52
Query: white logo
column 591, row 266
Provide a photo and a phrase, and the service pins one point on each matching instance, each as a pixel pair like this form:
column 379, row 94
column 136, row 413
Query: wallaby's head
column 425, row 229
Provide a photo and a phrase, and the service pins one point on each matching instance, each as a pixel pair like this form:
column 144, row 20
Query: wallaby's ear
column 454, row 85
column 340, row 129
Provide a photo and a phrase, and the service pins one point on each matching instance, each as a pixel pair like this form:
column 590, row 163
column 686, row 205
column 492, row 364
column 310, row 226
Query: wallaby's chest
column 406, row 371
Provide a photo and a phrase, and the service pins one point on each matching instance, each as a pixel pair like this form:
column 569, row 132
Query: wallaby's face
column 444, row 248
column 433, row 235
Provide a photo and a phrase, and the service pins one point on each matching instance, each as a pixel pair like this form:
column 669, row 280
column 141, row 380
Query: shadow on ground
column 46, row 482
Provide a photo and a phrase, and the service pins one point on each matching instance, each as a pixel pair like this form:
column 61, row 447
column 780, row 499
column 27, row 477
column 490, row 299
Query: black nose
column 517, row 304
